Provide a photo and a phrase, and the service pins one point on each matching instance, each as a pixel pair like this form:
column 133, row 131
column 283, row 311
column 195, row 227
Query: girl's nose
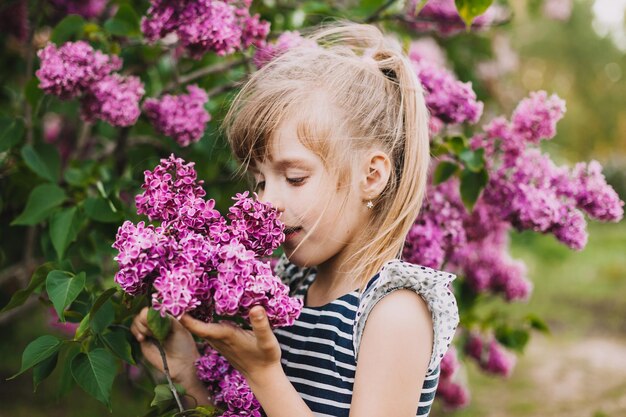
column 275, row 201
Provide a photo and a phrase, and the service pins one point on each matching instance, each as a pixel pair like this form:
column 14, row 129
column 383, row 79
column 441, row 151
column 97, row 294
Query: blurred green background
column 579, row 369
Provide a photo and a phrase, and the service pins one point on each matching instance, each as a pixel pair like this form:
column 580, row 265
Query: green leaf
column 515, row 339
column 41, row 202
column 101, row 210
column 43, row 161
column 83, row 327
column 444, row 171
column 37, row 351
column 469, row 9
column 64, row 226
column 117, row 340
column 63, row 288
column 95, row 371
column 38, row 278
column 159, row 326
column 102, row 298
column 68, row 28
column 472, row 184
column 33, row 93
column 473, row 159
column 43, row 369
column 538, row 324
column 456, row 144
column 124, row 23
column 102, row 318
column 76, row 177
column 11, row 132
column 66, row 382
column 163, row 397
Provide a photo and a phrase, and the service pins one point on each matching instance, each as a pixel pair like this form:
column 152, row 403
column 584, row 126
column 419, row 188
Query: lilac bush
column 181, row 117
column 205, row 25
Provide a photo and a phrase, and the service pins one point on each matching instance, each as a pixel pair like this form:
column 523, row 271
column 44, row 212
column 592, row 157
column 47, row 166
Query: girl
column 335, row 134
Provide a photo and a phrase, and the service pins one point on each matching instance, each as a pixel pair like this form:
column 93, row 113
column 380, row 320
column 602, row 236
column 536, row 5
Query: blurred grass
column 580, row 295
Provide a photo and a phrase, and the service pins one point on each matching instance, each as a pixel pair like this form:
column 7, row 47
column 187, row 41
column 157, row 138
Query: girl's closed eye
column 296, row 181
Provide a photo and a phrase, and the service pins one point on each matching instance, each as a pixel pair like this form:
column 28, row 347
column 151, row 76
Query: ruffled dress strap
column 431, row 284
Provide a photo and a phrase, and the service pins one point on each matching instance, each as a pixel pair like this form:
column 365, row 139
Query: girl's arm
column 393, row 357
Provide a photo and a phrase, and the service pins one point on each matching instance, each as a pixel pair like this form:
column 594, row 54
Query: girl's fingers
column 205, row 330
column 261, row 327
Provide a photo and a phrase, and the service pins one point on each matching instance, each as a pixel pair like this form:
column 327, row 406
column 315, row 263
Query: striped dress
column 318, row 351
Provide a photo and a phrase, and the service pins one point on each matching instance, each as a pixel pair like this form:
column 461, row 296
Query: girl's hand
column 253, row 353
column 180, row 348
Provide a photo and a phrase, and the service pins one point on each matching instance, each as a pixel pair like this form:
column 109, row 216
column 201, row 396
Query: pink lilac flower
column 204, row 25
column 140, row 249
column 439, row 227
column 67, row 328
column 452, row 394
column 72, row 69
column 286, row 41
column 491, row 356
column 427, row 50
column 86, row 8
column 535, row 118
column 226, row 386
column 255, row 224
column 557, row 9
column 442, row 16
column 179, row 288
column 499, row 361
column 598, row 199
column 447, row 98
column 182, row 117
column 449, row 364
column 170, row 184
column 114, row 99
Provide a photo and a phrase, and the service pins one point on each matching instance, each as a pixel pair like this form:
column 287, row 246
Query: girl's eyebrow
column 284, row 164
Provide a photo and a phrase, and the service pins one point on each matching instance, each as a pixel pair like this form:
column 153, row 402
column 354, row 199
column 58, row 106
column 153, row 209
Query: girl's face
column 296, row 182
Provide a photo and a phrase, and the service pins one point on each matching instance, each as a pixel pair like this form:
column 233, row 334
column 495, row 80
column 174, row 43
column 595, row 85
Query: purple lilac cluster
column 196, row 261
column 205, row 25
column 490, row 355
column 114, row 99
column 227, row 387
column 86, row 8
column 450, row 391
column 181, row 117
column 69, row 71
column 442, row 17
column 449, row 100
column 541, row 196
column 77, row 70
column 286, row 41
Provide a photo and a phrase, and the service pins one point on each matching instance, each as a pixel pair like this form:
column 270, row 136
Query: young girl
column 335, row 133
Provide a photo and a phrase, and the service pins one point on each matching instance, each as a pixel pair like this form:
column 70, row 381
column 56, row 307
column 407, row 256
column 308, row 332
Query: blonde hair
column 356, row 82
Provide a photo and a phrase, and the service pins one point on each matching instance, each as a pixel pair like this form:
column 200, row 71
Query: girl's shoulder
column 431, row 284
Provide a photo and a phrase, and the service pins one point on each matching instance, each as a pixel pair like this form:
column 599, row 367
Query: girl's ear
column 377, row 170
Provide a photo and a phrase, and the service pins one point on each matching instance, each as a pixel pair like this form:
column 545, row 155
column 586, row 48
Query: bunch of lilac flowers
column 199, row 262
column 205, row 26
column 283, row 43
column 181, row 117
column 196, row 261
column 227, row 387
column 449, row 100
column 77, row 70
